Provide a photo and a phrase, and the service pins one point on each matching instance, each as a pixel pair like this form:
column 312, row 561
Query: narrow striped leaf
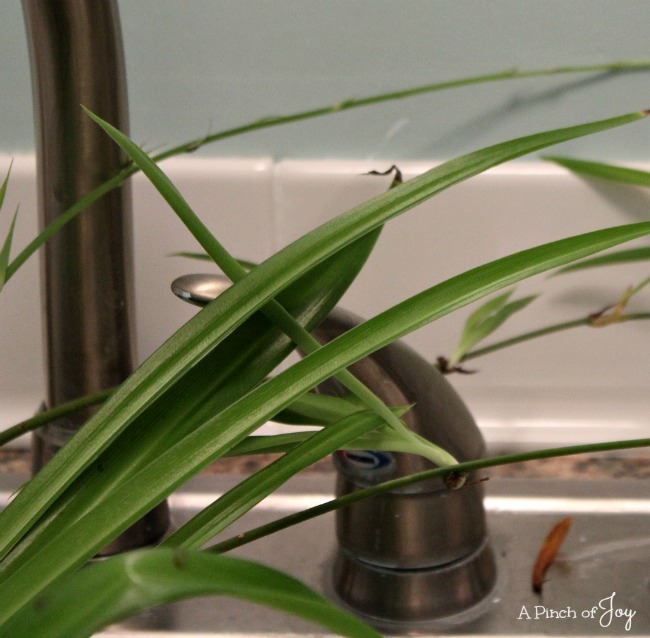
column 601, row 170
column 236, row 366
column 630, row 255
column 244, row 496
column 485, row 320
column 6, row 247
column 6, row 250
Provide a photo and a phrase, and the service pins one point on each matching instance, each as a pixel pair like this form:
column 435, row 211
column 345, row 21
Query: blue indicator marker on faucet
column 366, row 459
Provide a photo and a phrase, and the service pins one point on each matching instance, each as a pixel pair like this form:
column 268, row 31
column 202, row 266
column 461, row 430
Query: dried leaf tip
column 645, row 112
column 548, row 552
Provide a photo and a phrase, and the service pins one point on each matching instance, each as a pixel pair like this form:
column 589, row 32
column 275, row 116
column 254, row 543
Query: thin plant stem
column 461, row 468
column 58, row 412
column 543, row 332
column 269, row 122
column 66, row 217
column 508, row 74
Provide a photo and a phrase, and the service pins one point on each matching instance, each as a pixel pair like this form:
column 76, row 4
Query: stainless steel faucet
column 413, row 556
column 422, row 553
column 77, row 58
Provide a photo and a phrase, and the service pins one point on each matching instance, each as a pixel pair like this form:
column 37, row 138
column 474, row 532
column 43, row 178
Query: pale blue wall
column 202, row 65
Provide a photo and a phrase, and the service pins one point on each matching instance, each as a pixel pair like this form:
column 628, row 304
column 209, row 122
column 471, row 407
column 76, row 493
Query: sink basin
column 599, row 584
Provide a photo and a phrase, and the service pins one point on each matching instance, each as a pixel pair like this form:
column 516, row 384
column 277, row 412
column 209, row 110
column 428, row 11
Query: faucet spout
column 421, row 553
column 77, row 58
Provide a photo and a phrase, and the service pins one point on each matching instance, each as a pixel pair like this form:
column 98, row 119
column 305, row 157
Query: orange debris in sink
column 548, row 551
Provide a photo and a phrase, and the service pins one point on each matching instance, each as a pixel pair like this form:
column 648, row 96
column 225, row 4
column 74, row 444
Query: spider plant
column 205, row 392
column 484, row 321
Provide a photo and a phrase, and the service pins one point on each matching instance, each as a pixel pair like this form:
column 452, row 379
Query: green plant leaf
column 587, row 321
column 244, row 496
column 485, row 320
column 311, row 409
column 193, row 255
column 269, row 444
column 601, row 170
column 121, row 586
column 613, row 258
column 316, row 409
column 173, row 363
column 199, row 336
column 639, row 287
column 6, row 249
column 610, row 172
column 235, row 272
column 61, row 410
column 3, row 188
column 411, row 314
column 248, row 265
column 238, row 364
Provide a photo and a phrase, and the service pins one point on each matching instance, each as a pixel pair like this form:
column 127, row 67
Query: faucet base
column 396, row 600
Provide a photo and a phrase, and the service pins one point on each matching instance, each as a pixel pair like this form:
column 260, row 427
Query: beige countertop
column 579, row 466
